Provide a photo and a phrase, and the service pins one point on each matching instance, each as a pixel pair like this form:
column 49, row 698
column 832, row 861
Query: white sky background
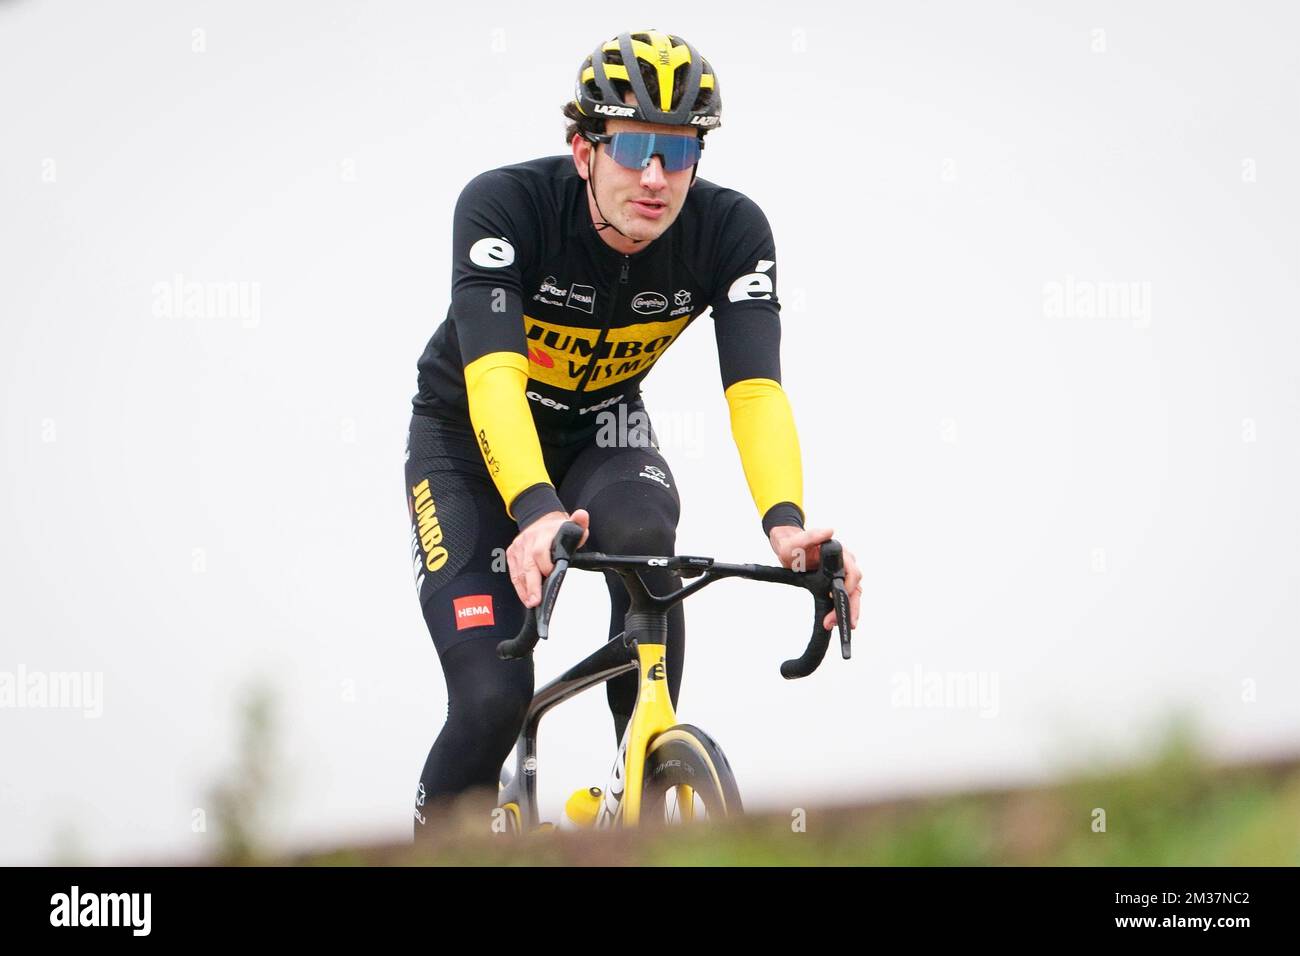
column 1091, row 512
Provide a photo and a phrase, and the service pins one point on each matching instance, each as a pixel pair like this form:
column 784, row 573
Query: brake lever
column 537, row 620
column 832, row 562
column 842, row 617
column 550, row 591
column 562, row 549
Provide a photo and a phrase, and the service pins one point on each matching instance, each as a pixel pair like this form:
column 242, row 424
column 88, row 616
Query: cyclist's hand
column 800, row 550
column 529, row 555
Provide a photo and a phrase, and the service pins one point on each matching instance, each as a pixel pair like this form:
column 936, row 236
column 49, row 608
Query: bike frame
column 652, row 715
column 642, row 646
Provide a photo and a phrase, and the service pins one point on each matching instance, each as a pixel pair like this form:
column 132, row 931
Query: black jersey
column 534, row 284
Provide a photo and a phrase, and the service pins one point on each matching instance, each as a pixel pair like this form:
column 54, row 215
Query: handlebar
column 832, row 566
column 537, row 620
column 826, row 584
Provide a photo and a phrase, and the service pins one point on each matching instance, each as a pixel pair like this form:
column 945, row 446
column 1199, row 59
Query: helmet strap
column 591, row 180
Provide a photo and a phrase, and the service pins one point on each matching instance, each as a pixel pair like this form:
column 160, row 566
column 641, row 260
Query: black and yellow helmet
column 681, row 71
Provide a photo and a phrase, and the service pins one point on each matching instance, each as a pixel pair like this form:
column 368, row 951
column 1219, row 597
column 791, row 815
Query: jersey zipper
column 609, row 319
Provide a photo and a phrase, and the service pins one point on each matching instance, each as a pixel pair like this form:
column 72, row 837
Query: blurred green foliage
column 1177, row 809
column 241, row 803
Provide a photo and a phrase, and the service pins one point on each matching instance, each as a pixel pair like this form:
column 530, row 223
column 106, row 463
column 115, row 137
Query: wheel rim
column 688, row 780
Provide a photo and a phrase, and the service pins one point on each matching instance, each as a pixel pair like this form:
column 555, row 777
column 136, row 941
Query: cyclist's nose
column 652, row 177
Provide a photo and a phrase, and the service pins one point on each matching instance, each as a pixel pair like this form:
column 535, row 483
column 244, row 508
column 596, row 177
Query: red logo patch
column 538, row 357
column 473, row 610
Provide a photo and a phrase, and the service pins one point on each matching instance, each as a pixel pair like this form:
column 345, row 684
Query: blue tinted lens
column 634, row 150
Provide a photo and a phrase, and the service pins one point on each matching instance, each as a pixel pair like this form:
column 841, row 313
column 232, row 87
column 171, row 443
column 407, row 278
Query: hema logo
column 473, row 610
column 582, row 297
column 102, row 909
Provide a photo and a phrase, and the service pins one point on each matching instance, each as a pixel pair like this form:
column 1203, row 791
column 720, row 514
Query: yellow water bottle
column 581, row 808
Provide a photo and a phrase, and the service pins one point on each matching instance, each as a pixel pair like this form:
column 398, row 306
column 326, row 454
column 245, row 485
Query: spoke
column 675, row 811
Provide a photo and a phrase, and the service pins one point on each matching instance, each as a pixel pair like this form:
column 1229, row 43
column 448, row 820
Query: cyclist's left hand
column 800, row 549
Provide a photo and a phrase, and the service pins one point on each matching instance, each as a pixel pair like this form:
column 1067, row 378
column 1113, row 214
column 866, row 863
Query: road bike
column 665, row 771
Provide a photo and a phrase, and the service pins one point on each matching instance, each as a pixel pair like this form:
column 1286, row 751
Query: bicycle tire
column 685, row 756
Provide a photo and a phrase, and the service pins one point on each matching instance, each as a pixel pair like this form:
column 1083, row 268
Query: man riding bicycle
column 572, row 275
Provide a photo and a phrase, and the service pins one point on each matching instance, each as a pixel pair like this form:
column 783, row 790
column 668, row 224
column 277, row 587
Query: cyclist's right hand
column 529, row 555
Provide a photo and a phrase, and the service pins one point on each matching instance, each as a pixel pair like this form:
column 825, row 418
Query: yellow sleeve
column 762, row 425
column 503, row 424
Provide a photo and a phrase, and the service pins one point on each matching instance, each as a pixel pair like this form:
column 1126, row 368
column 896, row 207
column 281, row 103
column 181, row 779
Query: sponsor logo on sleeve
column 473, row 610
column 492, row 253
column 753, row 285
column 493, row 466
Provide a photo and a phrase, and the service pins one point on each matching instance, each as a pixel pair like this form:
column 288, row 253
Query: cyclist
column 571, row 276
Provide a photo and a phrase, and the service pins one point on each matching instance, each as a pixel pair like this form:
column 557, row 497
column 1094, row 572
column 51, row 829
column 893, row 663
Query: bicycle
column 656, row 754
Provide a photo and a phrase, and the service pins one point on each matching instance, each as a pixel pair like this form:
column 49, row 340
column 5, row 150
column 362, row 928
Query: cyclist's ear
column 581, row 154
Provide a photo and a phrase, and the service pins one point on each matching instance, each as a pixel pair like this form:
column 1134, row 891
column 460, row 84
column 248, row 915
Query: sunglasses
column 635, row 150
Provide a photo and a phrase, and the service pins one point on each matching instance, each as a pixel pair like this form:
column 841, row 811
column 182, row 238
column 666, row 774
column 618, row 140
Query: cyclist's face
column 643, row 203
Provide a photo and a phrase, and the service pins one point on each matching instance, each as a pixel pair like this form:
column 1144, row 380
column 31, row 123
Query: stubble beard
column 639, row 228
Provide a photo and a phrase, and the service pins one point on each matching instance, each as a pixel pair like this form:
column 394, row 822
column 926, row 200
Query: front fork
column 653, row 714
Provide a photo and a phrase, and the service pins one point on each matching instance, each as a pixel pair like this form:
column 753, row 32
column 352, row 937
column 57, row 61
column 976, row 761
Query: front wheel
column 686, row 772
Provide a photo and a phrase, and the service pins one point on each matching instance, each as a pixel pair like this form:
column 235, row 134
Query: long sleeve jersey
column 548, row 325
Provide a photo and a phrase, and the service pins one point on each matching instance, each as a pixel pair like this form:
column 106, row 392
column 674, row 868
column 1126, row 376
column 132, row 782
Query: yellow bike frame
column 653, row 715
